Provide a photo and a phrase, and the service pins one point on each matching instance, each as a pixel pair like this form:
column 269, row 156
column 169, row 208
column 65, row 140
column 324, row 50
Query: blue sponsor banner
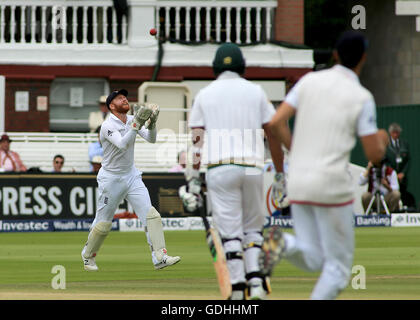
column 359, row 221
column 372, row 221
column 281, row 221
column 79, row 224
column 49, row 225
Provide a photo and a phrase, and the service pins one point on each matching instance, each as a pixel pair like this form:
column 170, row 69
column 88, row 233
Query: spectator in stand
column 387, row 186
column 182, row 161
column 96, row 118
column 58, row 163
column 382, row 178
column 9, row 160
column 95, row 148
column 96, row 164
column 398, row 157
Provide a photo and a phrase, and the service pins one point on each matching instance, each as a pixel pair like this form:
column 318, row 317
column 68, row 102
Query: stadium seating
column 39, row 149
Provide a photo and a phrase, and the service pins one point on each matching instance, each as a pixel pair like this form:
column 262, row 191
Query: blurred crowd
column 389, row 182
column 10, row 161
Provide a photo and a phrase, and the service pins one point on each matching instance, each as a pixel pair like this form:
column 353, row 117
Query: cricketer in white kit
column 119, row 179
column 332, row 108
column 230, row 114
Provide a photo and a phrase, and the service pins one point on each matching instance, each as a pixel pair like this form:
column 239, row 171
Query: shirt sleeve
column 196, row 115
column 113, row 136
column 366, row 123
column 292, row 97
column 148, row 135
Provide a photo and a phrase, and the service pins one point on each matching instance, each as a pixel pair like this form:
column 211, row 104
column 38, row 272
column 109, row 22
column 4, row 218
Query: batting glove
column 151, row 123
column 190, row 201
column 279, row 187
column 193, row 180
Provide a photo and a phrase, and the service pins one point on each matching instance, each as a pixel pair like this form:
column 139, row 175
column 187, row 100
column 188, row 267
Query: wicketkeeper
column 119, row 179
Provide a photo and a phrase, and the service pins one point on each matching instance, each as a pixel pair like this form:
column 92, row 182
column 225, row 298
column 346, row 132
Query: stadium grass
column 390, row 256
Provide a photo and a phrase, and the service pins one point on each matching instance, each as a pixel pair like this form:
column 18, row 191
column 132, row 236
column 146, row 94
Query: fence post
column 141, row 20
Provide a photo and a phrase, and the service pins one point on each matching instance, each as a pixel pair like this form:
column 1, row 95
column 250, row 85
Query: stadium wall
column 38, row 81
column 392, row 68
column 290, row 21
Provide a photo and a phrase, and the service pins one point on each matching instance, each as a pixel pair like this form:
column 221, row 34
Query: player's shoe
column 167, row 261
column 89, row 264
column 238, row 292
column 258, row 287
column 272, row 250
column 257, row 292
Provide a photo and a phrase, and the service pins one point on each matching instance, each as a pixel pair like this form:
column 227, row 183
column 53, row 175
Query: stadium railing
column 81, row 22
column 39, row 149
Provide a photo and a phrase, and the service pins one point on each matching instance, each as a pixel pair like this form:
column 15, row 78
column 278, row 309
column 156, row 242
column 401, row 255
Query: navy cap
column 350, row 47
column 114, row 94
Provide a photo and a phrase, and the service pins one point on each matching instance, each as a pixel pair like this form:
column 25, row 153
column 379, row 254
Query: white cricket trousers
column 323, row 241
column 237, row 202
column 114, row 188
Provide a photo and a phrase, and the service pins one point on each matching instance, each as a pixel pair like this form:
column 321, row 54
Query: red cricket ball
column 153, row 32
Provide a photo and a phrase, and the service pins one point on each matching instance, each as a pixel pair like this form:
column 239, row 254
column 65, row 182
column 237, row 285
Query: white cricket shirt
column 118, row 140
column 332, row 109
column 232, row 110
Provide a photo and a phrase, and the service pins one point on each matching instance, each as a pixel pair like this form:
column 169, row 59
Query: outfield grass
column 390, row 257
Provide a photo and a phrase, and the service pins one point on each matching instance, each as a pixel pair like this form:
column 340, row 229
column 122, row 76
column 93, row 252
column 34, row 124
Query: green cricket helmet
column 228, row 57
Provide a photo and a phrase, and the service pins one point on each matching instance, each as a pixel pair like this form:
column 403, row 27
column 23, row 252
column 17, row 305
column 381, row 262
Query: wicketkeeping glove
column 279, row 187
column 141, row 115
column 151, row 123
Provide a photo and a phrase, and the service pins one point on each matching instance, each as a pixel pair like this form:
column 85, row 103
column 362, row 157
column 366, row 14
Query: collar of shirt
column 115, row 118
column 350, row 73
column 228, row 75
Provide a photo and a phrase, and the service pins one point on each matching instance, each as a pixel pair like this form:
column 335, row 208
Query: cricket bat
column 219, row 258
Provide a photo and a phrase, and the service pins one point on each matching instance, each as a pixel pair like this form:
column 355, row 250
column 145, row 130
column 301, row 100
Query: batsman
column 232, row 113
column 119, row 179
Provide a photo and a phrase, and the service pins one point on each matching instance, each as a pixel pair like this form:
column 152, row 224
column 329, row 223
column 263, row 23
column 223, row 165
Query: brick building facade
column 118, row 71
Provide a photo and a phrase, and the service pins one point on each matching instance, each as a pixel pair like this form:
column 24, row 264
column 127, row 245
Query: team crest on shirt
column 109, row 133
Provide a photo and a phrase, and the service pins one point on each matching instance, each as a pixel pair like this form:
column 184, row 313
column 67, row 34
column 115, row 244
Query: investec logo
column 285, row 222
column 24, row 226
column 133, row 223
column 404, row 219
